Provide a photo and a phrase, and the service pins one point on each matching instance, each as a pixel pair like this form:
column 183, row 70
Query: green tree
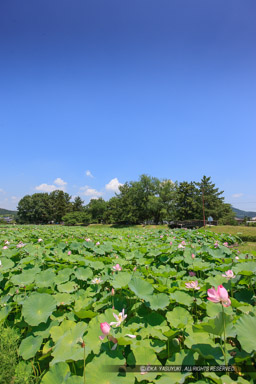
column 213, row 201
column 96, row 209
column 186, row 201
column 25, row 210
column 34, row 209
column 60, row 205
column 77, row 205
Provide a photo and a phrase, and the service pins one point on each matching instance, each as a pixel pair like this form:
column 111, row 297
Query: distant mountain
column 7, row 212
column 241, row 214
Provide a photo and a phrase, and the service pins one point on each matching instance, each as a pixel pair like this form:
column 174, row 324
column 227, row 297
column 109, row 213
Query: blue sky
column 122, row 88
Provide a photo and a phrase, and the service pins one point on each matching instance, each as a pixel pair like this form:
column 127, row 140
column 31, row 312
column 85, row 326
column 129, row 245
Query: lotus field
column 110, row 306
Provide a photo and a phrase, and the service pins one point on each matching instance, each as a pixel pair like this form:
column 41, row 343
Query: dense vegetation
column 146, row 200
column 84, row 299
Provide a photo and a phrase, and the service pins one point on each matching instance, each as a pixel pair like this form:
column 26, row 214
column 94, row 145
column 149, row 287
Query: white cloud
column 15, row 198
column 88, row 173
column 91, row 192
column 113, row 185
column 237, row 195
column 46, row 188
column 2, row 190
column 60, row 182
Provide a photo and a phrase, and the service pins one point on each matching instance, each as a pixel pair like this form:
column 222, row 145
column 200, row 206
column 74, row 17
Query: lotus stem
column 84, row 364
column 224, row 332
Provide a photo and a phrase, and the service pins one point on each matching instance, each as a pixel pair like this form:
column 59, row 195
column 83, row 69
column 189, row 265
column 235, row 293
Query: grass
column 12, row 371
column 246, row 234
column 249, row 247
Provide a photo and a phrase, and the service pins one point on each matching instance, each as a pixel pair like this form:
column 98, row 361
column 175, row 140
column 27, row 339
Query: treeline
column 146, row 200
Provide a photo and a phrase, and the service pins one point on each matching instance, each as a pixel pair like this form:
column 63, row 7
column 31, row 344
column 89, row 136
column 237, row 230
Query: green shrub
column 76, row 218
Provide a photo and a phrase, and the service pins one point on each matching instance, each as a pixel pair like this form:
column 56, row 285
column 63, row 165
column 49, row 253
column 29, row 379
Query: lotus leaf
column 30, row 346
column 245, row 329
column 58, row 374
column 38, row 307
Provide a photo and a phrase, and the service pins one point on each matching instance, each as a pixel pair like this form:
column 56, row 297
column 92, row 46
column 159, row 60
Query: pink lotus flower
column 20, row 245
column 112, row 292
column 105, row 329
column 183, row 242
column 191, row 273
column 7, row 242
column 229, row 274
column 225, row 244
column 170, row 242
column 193, row 256
column 216, row 244
column 134, row 269
column 180, row 246
column 0, row 263
column 87, row 239
column 192, row 285
column 237, row 258
column 39, row 240
column 219, row 296
column 5, row 247
column 120, row 318
column 98, row 243
column 69, row 253
column 117, row 267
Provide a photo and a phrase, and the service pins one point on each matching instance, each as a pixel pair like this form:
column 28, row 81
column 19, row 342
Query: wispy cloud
column 2, row 190
column 88, row 173
column 237, row 195
column 113, row 185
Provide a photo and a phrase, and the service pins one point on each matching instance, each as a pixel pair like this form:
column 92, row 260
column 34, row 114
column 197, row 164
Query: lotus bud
column 176, row 342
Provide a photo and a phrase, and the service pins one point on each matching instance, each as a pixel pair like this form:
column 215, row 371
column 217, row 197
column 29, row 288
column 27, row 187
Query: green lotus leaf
column 223, row 379
column 215, row 326
column 96, row 371
column 140, row 287
column 179, row 317
column 68, row 347
column 68, row 287
column 38, row 307
column 184, row 357
column 75, row 380
column 121, row 279
column 158, row 301
column 43, row 329
column 182, row 298
column 26, row 277
column 245, row 268
column 245, row 330
column 30, row 346
column 7, row 264
column 59, row 330
column 84, row 274
column 63, row 275
column 63, row 298
column 96, row 265
column 58, row 374
column 4, row 312
column 45, row 278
